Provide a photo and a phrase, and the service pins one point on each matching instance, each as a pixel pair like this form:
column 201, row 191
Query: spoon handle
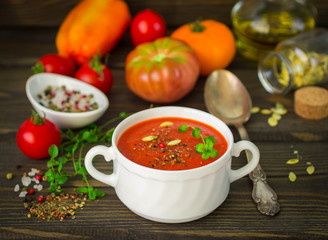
column 263, row 195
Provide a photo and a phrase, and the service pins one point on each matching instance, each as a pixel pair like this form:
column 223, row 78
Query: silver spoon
column 227, row 98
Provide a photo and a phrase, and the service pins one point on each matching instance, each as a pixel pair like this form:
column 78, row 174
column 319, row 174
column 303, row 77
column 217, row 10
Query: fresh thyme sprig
column 70, row 151
column 206, row 147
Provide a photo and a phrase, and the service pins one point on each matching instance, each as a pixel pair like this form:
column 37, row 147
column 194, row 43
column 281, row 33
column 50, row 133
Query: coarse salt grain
column 26, row 181
column 38, row 187
column 22, row 194
column 16, row 188
column 35, row 180
column 32, row 172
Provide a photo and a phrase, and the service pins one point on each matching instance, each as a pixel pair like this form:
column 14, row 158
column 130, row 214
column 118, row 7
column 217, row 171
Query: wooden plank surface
column 304, row 203
column 42, row 13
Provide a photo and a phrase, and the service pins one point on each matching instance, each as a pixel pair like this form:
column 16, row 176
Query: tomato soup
column 158, row 143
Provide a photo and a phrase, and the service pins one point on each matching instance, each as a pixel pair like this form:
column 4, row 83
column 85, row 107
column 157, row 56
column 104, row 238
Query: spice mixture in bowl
column 66, row 101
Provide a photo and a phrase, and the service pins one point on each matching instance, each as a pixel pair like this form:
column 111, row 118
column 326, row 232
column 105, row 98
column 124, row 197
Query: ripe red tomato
column 147, row 26
column 36, row 135
column 96, row 74
column 162, row 71
column 53, row 63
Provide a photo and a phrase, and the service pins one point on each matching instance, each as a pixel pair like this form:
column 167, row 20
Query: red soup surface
column 157, row 143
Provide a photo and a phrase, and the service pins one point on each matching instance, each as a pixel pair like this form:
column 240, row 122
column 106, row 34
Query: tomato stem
column 197, row 27
column 96, row 65
column 38, row 68
column 37, row 119
column 159, row 58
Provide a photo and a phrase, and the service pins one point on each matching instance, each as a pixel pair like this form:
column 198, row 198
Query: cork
column 311, row 102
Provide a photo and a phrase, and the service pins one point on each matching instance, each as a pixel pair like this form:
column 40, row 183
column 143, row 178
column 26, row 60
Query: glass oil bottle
column 259, row 25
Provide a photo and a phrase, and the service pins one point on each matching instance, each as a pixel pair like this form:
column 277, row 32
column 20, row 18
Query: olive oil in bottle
column 259, row 25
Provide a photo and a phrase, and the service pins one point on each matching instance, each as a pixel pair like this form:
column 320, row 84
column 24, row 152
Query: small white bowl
column 37, row 84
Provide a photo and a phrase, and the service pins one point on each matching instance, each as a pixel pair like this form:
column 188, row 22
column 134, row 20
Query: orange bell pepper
column 91, row 28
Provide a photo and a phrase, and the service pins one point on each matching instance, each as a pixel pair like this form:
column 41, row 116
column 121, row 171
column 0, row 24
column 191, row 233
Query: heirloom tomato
column 162, row 71
column 96, row 74
column 53, row 63
column 36, row 135
column 212, row 41
column 147, row 26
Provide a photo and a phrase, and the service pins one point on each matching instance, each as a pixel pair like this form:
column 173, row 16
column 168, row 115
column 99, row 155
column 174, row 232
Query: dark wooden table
column 24, row 37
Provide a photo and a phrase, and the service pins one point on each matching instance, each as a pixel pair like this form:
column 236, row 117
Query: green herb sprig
column 206, row 147
column 70, row 151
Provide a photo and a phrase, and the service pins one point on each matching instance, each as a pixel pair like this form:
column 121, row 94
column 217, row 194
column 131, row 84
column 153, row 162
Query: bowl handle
column 250, row 166
column 109, row 155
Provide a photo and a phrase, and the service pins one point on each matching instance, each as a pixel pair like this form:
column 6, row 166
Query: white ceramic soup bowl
column 172, row 196
column 37, row 83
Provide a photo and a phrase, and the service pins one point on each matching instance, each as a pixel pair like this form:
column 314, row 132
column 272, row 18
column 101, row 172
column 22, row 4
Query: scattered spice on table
column 64, row 100
column 293, row 161
column 275, row 113
column 55, row 207
column 47, row 207
column 34, row 176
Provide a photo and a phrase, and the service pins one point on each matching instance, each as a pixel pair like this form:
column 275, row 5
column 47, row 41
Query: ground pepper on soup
column 158, row 143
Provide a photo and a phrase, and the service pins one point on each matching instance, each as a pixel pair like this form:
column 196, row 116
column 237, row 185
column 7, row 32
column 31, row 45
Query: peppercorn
column 38, row 177
column 161, row 145
column 31, row 191
column 41, row 199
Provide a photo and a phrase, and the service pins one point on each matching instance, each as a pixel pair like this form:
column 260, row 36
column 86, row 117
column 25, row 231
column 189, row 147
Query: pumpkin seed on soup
column 166, row 124
column 174, row 142
column 149, row 138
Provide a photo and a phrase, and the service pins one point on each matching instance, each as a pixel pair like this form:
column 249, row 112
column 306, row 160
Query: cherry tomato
column 96, row 74
column 147, row 26
column 53, row 63
column 36, row 135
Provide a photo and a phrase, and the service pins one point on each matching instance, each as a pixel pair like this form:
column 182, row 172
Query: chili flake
column 63, row 100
